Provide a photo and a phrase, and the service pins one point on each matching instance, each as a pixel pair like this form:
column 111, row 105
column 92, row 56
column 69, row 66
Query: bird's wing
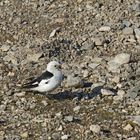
column 44, row 78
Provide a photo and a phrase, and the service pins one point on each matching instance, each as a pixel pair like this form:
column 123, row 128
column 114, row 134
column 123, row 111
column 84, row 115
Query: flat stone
column 95, row 128
column 113, row 66
column 19, row 94
column 104, row 29
column 134, row 92
column 74, row 81
column 5, row 48
column 107, row 92
column 93, row 65
column 128, row 31
column 34, row 57
column 117, row 98
column 122, row 58
column 137, row 47
column 128, row 127
column 132, row 138
column 88, row 46
column 126, row 23
column 136, row 7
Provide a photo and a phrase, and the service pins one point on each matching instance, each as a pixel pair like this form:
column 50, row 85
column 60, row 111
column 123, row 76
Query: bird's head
column 54, row 65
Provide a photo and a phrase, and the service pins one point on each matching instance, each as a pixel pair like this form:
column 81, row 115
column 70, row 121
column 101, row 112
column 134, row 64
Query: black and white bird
column 49, row 80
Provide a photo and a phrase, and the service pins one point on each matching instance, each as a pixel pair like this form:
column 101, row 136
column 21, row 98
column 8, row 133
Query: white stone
column 64, row 137
column 131, row 138
column 122, row 58
column 95, row 128
column 60, row 128
column 44, row 102
column 54, row 32
column 104, row 28
column 20, row 94
column 107, row 92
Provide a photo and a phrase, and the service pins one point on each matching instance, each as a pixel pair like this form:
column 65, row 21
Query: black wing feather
column 34, row 83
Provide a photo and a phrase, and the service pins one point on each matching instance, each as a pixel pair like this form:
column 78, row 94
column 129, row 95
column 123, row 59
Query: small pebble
column 76, row 109
column 68, row 118
column 64, row 137
column 24, row 135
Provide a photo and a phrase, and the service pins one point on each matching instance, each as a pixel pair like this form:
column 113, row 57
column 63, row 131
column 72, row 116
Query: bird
column 49, row 80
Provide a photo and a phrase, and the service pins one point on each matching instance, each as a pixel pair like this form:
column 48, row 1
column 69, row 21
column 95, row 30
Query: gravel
column 99, row 45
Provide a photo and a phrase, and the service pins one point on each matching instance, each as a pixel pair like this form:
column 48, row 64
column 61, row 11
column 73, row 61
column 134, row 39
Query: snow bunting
column 49, row 80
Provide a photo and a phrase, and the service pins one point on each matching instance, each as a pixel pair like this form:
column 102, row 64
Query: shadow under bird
column 49, row 80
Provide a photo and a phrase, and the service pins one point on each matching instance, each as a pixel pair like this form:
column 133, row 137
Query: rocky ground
column 99, row 43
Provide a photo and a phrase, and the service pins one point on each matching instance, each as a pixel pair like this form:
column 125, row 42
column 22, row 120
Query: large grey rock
column 74, row 81
column 117, row 61
column 122, row 58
